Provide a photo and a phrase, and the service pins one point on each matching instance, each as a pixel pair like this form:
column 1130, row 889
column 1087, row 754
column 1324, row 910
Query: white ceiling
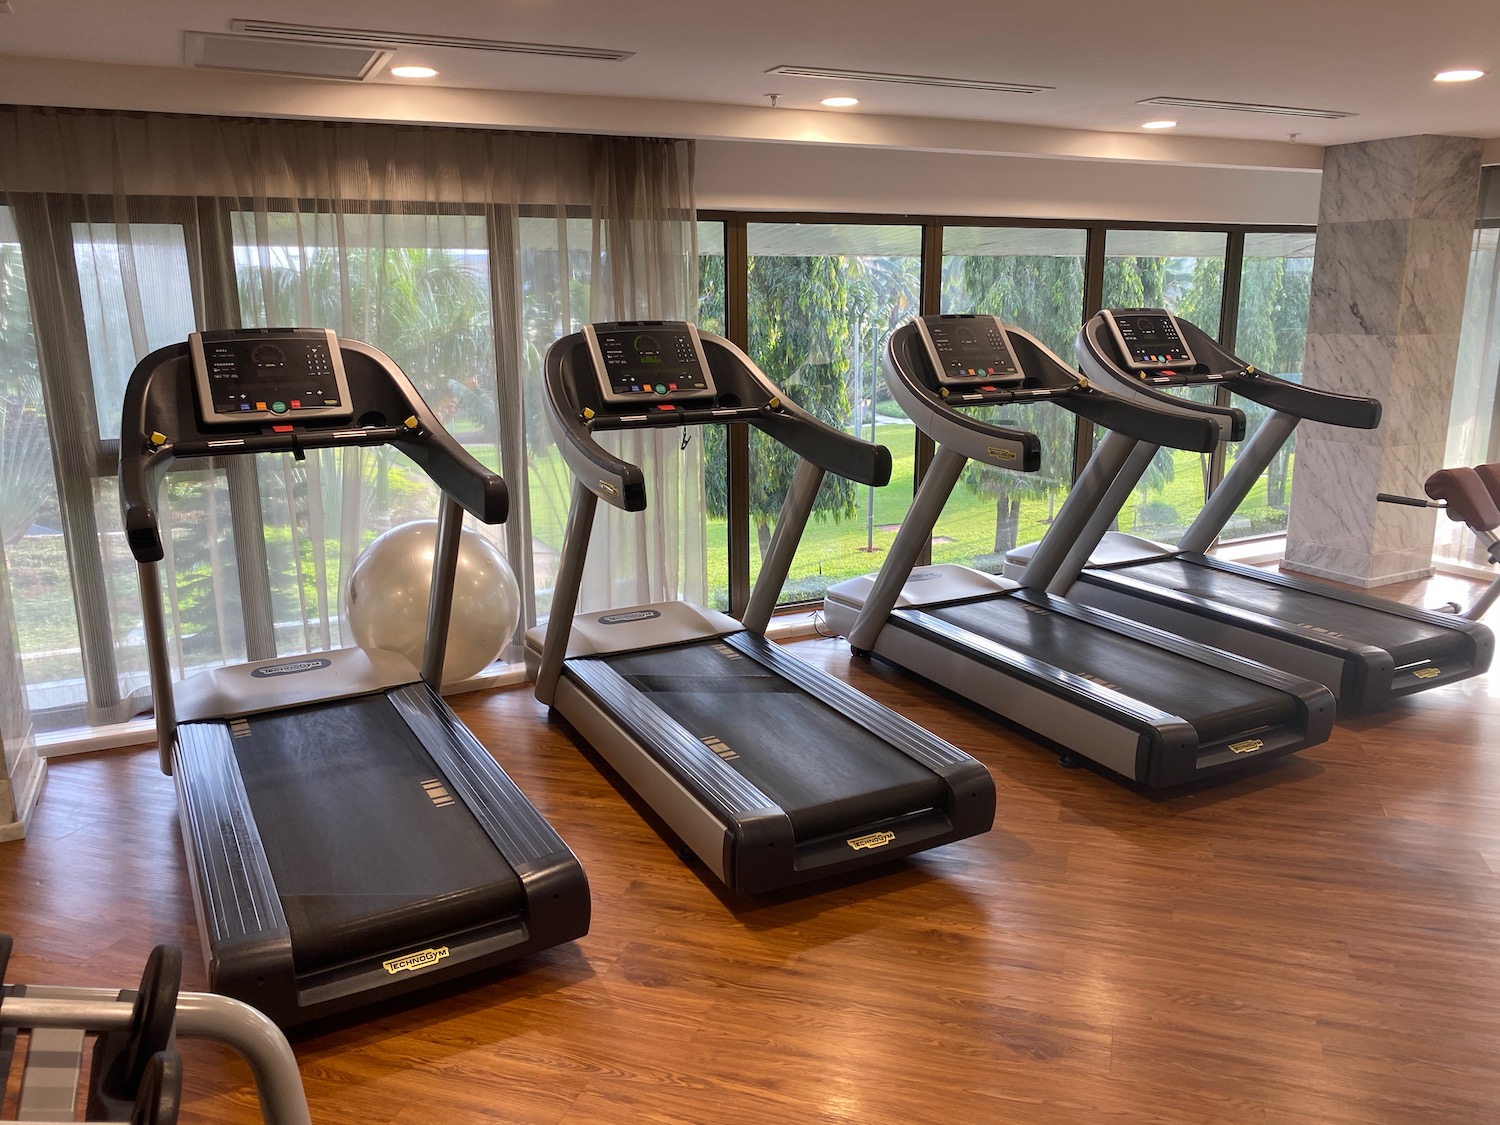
column 1374, row 58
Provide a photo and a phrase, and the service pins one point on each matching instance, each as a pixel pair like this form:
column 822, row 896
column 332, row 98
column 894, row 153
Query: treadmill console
column 639, row 361
column 259, row 374
column 970, row 352
column 1148, row 339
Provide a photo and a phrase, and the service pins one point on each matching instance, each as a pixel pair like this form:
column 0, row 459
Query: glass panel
column 555, row 263
column 824, row 299
column 1183, row 272
column 1275, row 285
column 136, row 298
column 417, row 286
column 33, row 560
column 1474, row 425
column 1031, row 277
column 711, row 318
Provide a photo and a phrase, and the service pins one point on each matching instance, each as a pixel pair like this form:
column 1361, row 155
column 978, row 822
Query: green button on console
column 660, row 388
column 278, row 408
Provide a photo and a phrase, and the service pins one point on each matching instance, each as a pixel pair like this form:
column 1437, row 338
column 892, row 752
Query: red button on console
column 283, row 429
column 665, row 406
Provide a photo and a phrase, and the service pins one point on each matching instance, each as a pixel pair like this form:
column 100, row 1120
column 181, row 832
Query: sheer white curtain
column 135, row 229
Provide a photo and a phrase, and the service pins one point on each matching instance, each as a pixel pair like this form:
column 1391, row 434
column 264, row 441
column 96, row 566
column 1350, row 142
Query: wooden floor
column 1317, row 943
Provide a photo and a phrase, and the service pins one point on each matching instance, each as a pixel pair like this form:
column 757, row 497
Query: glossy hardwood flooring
column 1318, row 942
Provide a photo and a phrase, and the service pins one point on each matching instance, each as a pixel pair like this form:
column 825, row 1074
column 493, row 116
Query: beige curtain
column 461, row 253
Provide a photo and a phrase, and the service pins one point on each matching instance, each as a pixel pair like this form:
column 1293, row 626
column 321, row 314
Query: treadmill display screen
column 1150, row 339
column 970, row 351
column 649, row 361
column 251, row 375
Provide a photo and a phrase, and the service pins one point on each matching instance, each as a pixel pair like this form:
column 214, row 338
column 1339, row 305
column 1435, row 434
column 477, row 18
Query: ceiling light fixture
column 1159, row 125
column 1457, row 75
column 413, row 72
column 839, row 101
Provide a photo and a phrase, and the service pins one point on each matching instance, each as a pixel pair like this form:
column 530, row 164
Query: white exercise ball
column 390, row 587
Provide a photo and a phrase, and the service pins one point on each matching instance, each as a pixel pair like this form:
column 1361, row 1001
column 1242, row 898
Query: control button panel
column 247, row 375
column 641, row 361
column 1148, row 338
column 970, row 351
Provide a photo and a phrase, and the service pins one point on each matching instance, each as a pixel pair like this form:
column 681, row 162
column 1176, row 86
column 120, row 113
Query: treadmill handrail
column 992, row 444
column 1354, row 412
column 619, row 482
column 159, row 403
column 1229, row 421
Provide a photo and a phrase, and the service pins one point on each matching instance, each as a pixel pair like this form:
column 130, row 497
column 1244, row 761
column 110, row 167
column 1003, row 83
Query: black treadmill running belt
column 1219, row 704
column 368, row 849
column 1407, row 640
column 827, row 772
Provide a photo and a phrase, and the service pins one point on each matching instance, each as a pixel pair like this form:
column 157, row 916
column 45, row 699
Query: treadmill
column 1369, row 651
column 1146, row 705
column 773, row 772
column 347, row 839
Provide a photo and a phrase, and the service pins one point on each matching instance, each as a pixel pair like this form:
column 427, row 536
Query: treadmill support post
column 153, row 623
column 1125, row 460
column 915, row 532
column 565, row 587
column 1254, row 456
column 440, row 606
column 1104, row 466
column 790, row 524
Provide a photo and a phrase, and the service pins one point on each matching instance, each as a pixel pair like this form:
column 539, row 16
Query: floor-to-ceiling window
column 1183, row 272
column 1032, row 277
column 1474, row 424
column 1270, row 332
column 823, row 298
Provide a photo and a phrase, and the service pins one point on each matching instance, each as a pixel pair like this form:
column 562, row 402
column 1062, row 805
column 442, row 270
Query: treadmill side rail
column 247, row 943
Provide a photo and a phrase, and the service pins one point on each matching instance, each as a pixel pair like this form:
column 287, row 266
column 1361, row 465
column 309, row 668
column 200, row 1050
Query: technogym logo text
column 633, row 615
column 412, row 962
column 872, row 840
column 291, row 668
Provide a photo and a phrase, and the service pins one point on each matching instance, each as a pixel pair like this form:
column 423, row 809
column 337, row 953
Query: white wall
column 734, row 175
column 758, row 158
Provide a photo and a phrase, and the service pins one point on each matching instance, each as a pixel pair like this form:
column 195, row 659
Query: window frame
column 736, row 266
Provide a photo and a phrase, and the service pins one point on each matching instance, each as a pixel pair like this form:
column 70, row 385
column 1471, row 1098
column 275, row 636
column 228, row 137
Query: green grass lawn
column 832, row 551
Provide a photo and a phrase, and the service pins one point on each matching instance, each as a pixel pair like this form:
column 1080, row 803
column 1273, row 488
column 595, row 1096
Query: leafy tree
column 1135, row 282
column 1044, row 295
column 1272, row 334
column 25, row 450
column 1201, row 303
column 799, row 335
column 429, row 309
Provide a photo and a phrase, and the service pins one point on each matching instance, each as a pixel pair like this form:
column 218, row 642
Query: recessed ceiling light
column 1159, row 125
column 1457, row 75
column 840, row 101
column 413, row 72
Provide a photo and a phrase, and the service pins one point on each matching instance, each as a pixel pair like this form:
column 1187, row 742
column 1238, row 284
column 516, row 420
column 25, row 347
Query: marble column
column 1395, row 229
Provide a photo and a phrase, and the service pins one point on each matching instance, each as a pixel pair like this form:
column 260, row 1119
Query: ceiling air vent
column 910, row 79
column 1248, row 107
column 280, row 56
column 395, row 39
